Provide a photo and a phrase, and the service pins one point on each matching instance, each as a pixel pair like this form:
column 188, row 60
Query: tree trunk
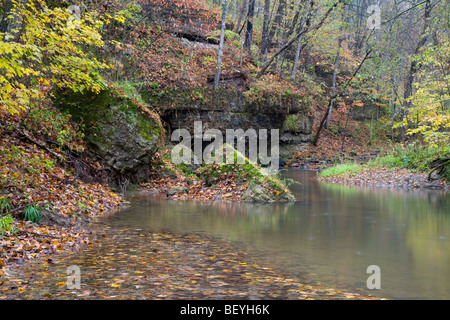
column 12, row 26
column 413, row 70
column 275, row 26
column 241, row 15
column 222, row 38
column 4, row 21
column 299, row 46
column 290, row 42
column 333, row 84
column 265, row 29
column 319, row 130
column 249, row 32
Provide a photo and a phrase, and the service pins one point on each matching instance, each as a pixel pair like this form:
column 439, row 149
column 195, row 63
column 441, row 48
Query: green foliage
column 220, row 168
column 55, row 125
column 241, row 170
column 7, row 224
column 413, row 156
column 430, row 112
column 229, row 35
column 129, row 88
column 32, row 214
column 5, row 205
column 269, row 88
column 416, row 156
column 291, row 122
column 388, row 161
column 341, row 169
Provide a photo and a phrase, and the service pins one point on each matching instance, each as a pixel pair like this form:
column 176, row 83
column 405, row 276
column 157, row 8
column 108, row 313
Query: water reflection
column 334, row 232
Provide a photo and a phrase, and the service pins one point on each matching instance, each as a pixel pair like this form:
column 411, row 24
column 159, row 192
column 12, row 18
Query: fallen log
column 439, row 166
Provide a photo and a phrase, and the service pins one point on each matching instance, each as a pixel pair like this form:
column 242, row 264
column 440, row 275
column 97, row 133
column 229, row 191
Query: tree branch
column 290, row 42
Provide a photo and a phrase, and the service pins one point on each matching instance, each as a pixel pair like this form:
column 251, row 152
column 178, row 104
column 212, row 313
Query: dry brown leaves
column 226, row 189
column 30, row 176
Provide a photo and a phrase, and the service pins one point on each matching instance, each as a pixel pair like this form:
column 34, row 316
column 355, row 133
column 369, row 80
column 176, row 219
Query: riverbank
column 384, row 177
column 131, row 263
column 44, row 204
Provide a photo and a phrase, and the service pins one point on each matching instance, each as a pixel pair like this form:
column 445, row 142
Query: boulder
column 122, row 132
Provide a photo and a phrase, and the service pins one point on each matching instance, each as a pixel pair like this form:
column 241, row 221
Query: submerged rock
column 258, row 193
column 177, row 190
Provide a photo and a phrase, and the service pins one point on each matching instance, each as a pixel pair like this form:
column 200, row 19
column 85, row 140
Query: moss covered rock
column 124, row 133
column 261, row 185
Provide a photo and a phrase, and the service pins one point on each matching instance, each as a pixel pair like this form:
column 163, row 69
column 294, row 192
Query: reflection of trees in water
column 410, row 230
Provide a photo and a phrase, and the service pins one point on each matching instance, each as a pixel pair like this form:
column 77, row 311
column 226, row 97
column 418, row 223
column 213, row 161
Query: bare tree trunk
column 290, row 42
column 241, row 15
column 241, row 60
column 413, row 69
column 249, row 32
column 265, row 29
column 333, row 84
column 299, row 46
column 275, row 26
column 222, row 37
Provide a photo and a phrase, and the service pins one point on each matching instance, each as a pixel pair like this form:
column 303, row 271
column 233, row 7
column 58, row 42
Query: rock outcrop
column 121, row 131
column 229, row 109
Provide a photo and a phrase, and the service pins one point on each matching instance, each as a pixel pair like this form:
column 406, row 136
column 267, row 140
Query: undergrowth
column 414, row 156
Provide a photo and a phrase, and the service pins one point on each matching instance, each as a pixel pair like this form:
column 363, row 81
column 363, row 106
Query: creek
column 331, row 234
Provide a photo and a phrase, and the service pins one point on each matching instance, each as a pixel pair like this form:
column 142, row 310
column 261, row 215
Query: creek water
column 331, row 234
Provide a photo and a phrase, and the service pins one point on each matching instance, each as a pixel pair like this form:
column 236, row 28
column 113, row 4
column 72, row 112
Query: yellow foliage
column 49, row 51
column 429, row 113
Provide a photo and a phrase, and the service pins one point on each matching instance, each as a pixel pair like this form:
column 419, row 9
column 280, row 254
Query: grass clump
column 342, row 169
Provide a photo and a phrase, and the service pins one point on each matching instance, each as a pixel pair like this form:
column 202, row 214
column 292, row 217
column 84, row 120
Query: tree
column 429, row 104
column 48, row 52
column 222, row 36
column 276, row 25
column 265, row 29
column 414, row 66
column 333, row 83
column 297, row 37
column 304, row 24
column 242, row 13
column 249, row 32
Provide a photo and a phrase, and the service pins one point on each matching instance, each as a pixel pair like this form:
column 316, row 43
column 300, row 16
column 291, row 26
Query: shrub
column 6, row 224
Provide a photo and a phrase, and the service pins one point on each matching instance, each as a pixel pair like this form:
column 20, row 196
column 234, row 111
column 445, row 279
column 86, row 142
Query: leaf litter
column 133, row 263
